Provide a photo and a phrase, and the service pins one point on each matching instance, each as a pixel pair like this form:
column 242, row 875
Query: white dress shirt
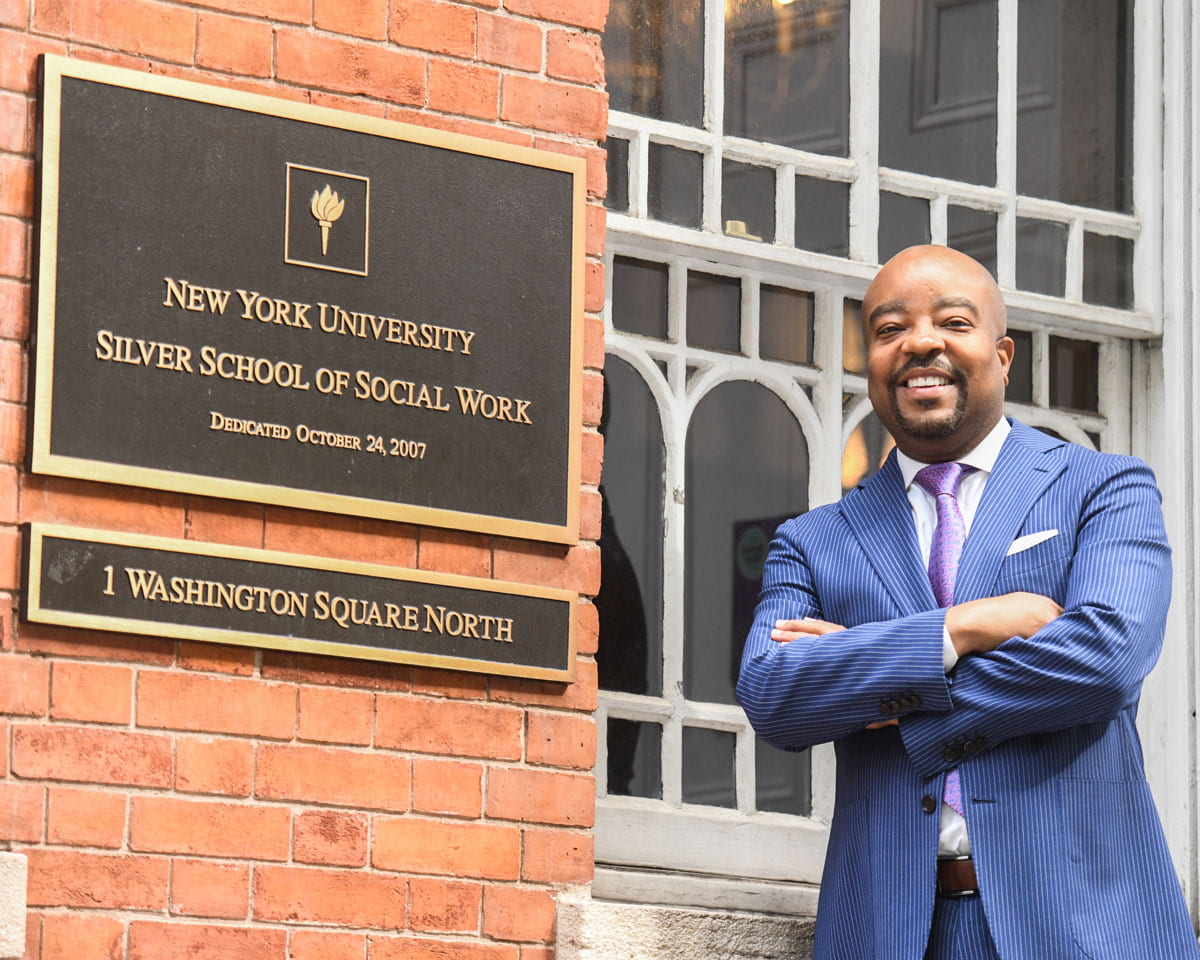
column 952, row 838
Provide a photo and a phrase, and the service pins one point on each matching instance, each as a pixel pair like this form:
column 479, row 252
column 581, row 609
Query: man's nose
column 923, row 337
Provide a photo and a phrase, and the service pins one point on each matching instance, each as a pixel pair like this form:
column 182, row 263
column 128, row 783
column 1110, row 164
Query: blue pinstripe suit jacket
column 1067, row 844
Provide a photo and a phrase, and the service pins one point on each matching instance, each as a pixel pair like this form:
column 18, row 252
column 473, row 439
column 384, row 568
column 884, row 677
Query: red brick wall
column 181, row 799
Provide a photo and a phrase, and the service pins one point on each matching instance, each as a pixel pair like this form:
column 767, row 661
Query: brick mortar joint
column 128, row 916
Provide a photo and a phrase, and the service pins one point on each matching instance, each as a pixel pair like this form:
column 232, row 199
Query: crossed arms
column 1028, row 665
column 975, row 627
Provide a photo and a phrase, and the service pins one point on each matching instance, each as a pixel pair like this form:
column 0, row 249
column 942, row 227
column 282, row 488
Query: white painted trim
column 1006, row 142
column 698, row 890
column 707, row 840
column 1165, row 432
column 815, row 268
column 864, row 130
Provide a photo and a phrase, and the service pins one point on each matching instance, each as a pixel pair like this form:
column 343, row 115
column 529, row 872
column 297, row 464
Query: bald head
column 934, row 261
column 937, row 351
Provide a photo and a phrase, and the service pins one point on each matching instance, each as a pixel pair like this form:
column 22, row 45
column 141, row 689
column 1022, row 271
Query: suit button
column 886, row 708
column 912, row 700
column 950, row 754
column 928, row 803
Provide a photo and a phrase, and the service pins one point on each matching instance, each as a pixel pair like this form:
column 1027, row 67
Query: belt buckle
column 954, row 894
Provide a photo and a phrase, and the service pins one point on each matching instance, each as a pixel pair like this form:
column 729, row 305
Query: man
column 971, row 626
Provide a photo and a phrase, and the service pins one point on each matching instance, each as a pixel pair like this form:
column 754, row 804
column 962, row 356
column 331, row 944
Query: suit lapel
column 1022, row 472
column 880, row 518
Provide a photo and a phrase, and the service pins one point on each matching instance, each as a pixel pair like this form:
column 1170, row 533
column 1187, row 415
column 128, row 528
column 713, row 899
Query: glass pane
column 854, row 348
column 654, row 58
column 631, row 535
column 1075, row 101
column 783, row 780
column 748, row 204
column 1074, row 374
column 737, row 426
column 708, row 771
column 639, row 297
column 937, row 88
column 785, row 324
column 823, row 216
column 974, row 233
column 787, row 76
column 634, row 759
column 867, row 448
column 617, row 166
column 903, row 223
column 714, row 309
column 676, row 179
column 1020, row 374
column 1042, row 257
column 1108, row 270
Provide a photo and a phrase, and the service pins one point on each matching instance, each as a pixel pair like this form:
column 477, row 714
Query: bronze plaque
column 245, row 297
column 262, row 598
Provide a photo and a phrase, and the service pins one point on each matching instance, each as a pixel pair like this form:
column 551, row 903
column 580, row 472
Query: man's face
column 937, row 356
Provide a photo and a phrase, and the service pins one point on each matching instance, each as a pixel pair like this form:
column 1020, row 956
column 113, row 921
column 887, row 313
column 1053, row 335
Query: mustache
column 918, row 364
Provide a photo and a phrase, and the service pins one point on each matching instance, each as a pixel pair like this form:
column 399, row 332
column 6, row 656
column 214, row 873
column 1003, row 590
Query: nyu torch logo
column 340, row 204
column 326, row 207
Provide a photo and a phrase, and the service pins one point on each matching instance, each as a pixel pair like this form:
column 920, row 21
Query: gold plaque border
column 35, row 612
column 54, row 69
column 287, row 221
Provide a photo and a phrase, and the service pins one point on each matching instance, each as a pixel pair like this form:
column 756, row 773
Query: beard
column 929, row 429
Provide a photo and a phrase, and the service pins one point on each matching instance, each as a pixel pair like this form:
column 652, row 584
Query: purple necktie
column 941, row 481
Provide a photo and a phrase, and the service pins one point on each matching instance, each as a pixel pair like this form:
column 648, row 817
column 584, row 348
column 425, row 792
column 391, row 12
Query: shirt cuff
column 949, row 654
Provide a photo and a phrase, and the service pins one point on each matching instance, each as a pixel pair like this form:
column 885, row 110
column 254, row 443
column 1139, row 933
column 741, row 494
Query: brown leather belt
column 956, row 878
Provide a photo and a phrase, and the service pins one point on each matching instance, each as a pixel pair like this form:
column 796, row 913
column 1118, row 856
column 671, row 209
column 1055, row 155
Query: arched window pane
column 631, row 536
column 746, row 472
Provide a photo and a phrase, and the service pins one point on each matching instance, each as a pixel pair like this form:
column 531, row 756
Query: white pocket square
column 1030, row 540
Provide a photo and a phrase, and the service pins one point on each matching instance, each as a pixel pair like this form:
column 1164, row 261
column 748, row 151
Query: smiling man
column 971, row 626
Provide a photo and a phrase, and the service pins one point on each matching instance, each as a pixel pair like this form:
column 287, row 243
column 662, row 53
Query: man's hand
column 982, row 625
column 788, row 630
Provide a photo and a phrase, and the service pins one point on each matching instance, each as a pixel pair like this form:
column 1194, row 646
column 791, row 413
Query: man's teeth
column 928, row 381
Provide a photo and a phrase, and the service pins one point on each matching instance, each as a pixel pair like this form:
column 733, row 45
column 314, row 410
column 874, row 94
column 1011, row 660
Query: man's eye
column 887, row 329
column 958, row 323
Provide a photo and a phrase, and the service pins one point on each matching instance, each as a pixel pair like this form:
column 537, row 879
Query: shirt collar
column 982, row 458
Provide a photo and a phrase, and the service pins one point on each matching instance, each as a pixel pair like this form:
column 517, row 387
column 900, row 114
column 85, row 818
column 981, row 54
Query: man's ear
column 1004, row 350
